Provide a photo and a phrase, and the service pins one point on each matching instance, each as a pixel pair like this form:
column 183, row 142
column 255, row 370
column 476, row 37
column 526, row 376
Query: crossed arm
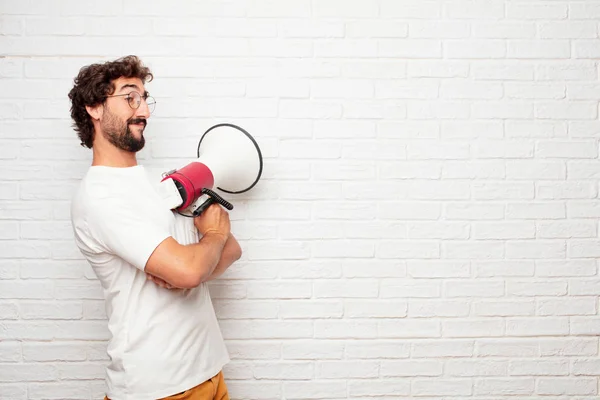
column 173, row 265
column 231, row 253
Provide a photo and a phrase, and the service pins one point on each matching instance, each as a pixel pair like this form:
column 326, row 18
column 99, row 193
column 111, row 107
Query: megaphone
column 228, row 159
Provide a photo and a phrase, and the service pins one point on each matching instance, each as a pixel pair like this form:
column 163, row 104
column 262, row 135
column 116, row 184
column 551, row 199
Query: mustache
column 137, row 121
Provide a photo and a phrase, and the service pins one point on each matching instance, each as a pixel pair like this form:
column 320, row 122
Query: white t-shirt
column 163, row 341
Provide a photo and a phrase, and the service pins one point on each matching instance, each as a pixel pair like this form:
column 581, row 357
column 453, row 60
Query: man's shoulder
column 96, row 194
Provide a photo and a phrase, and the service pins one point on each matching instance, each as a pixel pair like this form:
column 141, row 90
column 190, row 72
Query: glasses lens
column 135, row 100
column 151, row 103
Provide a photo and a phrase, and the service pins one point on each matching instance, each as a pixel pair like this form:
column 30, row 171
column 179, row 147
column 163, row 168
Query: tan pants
column 212, row 389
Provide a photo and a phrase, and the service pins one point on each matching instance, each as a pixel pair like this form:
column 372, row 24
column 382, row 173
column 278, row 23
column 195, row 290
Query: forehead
column 124, row 85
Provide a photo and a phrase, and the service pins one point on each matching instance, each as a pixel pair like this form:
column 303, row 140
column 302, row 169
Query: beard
column 118, row 133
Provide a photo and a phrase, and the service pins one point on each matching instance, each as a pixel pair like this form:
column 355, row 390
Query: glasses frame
column 150, row 101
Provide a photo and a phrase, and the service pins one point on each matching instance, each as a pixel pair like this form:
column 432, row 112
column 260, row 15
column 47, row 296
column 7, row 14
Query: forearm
column 208, row 254
column 230, row 254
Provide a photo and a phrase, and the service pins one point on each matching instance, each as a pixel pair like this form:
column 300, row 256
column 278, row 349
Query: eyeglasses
column 134, row 99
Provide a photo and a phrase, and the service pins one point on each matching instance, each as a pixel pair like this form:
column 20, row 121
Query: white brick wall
column 427, row 222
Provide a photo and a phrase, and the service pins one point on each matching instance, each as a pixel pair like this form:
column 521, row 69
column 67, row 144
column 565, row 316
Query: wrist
column 216, row 234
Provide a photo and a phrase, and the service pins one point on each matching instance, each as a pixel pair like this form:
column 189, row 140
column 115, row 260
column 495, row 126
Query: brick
column 253, row 350
column 567, row 386
column 438, row 269
column 346, row 329
column 27, row 372
column 573, row 70
column 473, row 328
column 391, row 288
column 479, row 288
column 307, row 309
column 504, row 230
column 375, row 309
column 283, row 290
column 313, row 350
column 586, row 367
column 566, row 229
column 347, row 369
column 578, row 268
column 583, row 326
column 528, row 11
column 26, row 290
column 585, row 49
column 58, row 390
column 503, row 386
column 389, row 387
column 437, row 68
column 474, row 211
column 409, row 328
column 55, row 351
column 411, row 368
column 491, row 269
column 504, row 308
column 473, row 170
column 540, row 249
column 9, row 311
column 469, row 368
column 580, row 110
column 537, row 326
column 283, row 370
column 474, row 49
column 507, row 348
column 442, row 387
column 10, row 352
column 539, row 368
column 504, row 30
column 243, row 309
column 536, row 288
column 467, row 250
column 50, row 310
column 381, row 349
column 536, row 91
column 11, row 391
column 567, row 347
column 541, row 129
column 441, row 308
column 442, row 348
column 409, row 48
column 411, row 9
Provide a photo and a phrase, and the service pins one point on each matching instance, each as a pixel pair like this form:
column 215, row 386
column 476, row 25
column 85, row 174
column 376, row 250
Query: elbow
column 191, row 281
column 237, row 252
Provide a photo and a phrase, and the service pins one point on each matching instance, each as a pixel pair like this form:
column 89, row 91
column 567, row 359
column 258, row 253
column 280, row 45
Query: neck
column 108, row 155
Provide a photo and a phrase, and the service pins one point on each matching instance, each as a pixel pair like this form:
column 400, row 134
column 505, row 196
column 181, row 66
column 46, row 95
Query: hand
column 213, row 220
column 159, row 282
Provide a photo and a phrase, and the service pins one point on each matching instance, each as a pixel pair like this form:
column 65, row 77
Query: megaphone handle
column 203, row 207
column 212, row 198
column 216, row 198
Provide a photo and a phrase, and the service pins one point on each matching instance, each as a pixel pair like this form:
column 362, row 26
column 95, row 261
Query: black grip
column 218, row 199
column 212, row 198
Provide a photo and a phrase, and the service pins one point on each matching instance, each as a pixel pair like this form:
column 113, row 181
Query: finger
column 156, row 280
column 163, row 283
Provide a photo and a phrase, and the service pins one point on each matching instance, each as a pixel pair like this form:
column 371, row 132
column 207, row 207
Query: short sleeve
column 126, row 231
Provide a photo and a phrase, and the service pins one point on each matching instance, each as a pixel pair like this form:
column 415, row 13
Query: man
column 165, row 339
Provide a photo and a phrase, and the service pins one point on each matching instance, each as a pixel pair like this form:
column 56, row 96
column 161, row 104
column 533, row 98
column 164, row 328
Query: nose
column 143, row 111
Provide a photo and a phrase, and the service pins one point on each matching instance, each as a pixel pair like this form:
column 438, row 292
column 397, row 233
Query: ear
column 95, row 111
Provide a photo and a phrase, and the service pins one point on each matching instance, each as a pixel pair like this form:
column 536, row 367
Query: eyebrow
column 134, row 86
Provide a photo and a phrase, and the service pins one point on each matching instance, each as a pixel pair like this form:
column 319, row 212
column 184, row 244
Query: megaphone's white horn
column 233, row 156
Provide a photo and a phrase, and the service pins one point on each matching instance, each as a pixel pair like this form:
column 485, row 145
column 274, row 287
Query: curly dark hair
column 95, row 82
